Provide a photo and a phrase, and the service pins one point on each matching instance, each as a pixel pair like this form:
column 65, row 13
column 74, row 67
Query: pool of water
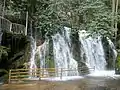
column 106, row 74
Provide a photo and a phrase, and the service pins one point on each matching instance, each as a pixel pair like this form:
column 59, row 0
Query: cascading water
column 92, row 53
column 42, row 50
column 113, row 49
column 93, row 50
column 32, row 59
column 62, row 55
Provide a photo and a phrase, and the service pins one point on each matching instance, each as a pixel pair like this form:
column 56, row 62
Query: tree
column 49, row 15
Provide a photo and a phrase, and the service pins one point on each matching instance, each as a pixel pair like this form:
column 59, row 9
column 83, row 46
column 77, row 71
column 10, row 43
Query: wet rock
column 18, row 46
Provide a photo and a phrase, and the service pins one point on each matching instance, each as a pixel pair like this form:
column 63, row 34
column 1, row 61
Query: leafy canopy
column 49, row 15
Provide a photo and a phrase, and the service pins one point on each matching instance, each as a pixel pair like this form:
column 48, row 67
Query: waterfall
column 42, row 51
column 62, row 54
column 113, row 49
column 92, row 50
column 91, row 53
column 32, row 59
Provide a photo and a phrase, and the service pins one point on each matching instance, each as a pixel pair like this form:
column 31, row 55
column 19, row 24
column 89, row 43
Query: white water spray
column 93, row 50
column 32, row 59
column 42, row 50
column 112, row 46
column 62, row 55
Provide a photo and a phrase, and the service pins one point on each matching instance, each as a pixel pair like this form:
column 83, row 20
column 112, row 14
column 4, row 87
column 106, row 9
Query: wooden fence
column 38, row 73
column 6, row 25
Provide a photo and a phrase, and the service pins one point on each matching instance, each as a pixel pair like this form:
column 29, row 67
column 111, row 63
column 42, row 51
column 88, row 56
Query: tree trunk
column 113, row 14
column 26, row 23
column 116, row 13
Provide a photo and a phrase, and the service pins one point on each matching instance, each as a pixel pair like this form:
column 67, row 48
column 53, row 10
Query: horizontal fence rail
column 38, row 73
column 6, row 25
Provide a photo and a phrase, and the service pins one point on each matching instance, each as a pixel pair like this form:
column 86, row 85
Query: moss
column 27, row 52
column 118, row 61
column 37, row 58
column 4, row 74
column 3, row 52
column 50, row 63
column 117, row 66
column 50, row 55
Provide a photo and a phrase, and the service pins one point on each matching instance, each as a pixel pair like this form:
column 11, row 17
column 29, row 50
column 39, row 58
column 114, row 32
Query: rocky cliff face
column 117, row 65
column 18, row 50
column 109, row 53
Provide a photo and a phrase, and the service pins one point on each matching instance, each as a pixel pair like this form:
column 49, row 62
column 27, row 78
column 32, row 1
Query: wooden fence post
column 9, row 76
column 61, row 73
column 39, row 70
column 19, row 77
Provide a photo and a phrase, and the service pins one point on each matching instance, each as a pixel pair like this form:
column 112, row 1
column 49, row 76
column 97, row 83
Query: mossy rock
column 4, row 75
column 117, row 66
column 18, row 53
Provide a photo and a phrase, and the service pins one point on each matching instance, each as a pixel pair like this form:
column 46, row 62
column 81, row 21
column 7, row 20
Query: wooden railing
column 38, row 73
column 6, row 25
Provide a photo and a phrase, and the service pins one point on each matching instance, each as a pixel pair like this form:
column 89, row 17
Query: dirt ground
column 82, row 84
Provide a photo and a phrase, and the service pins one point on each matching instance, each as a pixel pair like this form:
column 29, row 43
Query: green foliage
column 118, row 61
column 4, row 74
column 97, row 17
column 3, row 52
column 117, row 68
column 49, row 15
column 50, row 63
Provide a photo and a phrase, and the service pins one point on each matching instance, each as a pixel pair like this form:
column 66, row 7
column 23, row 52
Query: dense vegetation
column 49, row 15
